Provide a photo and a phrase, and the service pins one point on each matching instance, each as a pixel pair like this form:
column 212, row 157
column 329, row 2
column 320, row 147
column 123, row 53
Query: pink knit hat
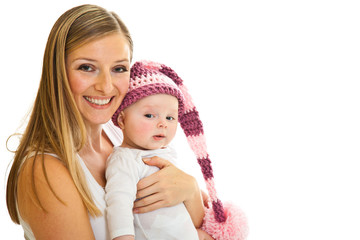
column 223, row 222
column 150, row 78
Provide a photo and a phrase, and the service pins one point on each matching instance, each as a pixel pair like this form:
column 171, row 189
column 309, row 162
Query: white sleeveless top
column 98, row 224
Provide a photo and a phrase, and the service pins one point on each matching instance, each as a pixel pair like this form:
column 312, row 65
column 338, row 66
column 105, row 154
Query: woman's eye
column 86, row 68
column 120, row 69
column 149, row 115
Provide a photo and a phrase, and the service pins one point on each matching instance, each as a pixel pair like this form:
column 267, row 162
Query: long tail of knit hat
column 222, row 221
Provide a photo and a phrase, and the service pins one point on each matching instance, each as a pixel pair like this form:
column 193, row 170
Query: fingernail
column 135, row 210
column 146, row 159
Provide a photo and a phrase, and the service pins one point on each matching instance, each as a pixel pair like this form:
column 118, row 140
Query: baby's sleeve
column 122, row 176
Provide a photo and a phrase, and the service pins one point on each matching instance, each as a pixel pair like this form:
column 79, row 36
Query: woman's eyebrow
column 84, row 59
column 93, row 60
column 123, row 60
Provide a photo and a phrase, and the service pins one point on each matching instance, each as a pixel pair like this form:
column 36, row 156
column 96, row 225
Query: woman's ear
column 120, row 120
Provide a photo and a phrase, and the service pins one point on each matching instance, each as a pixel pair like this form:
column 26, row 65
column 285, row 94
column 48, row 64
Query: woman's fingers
column 142, row 193
column 149, row 208
column 148, row 182
column 154, row 194
column 167, row 187
column 153, row 178
column 157, row 162
column 205, row 198
column 143, row 202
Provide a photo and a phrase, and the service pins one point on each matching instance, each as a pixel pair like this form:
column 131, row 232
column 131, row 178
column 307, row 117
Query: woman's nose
column 104, row 83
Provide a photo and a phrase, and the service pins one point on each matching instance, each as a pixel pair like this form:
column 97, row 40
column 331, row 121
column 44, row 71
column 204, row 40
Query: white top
column 125, row 168
column 98, row 224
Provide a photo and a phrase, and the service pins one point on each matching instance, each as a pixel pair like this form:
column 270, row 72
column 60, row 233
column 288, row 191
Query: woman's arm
column 168, row 187
column 67, row 220
column 203, row 235
column 195, row 206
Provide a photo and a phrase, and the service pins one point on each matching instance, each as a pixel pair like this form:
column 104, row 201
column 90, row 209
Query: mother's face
column 98, row 74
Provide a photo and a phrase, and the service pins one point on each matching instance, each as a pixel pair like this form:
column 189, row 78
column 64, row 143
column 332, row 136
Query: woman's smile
column 98, row 101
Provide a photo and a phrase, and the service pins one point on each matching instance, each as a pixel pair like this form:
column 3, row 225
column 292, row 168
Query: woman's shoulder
column 36, row 165
column 48, row 198
column 41, row 184
column 41, row 166
column 49, row 201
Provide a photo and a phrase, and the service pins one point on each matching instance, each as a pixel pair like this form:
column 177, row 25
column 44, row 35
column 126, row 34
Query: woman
column 55, row 186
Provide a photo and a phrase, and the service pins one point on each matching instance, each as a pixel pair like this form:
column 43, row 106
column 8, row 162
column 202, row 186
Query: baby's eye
column 86, row 68
column 170, row 118
column 149, row 115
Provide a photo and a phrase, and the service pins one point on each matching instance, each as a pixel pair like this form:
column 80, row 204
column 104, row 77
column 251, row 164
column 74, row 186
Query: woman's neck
column 94, row 139
column 95, row 152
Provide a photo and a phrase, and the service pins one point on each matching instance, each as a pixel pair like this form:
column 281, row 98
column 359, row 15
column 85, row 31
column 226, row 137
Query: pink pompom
column 234, row 228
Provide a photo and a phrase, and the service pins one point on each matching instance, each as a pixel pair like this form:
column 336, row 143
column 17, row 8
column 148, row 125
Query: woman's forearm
column 195, row 206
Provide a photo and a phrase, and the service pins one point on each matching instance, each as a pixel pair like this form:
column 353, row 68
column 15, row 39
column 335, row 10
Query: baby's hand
column 126, row 237
column 203, row 235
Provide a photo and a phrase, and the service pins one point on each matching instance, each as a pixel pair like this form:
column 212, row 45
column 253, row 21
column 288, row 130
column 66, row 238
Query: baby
column 148, row 118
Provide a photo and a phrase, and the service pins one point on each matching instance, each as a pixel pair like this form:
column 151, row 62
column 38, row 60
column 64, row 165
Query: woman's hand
column 203, row 235
column 168, row 187
column 205, row 198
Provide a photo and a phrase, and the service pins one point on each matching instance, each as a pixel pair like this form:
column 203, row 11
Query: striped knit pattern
column 149, row 78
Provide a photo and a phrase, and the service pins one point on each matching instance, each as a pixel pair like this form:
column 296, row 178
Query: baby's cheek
column 144, row 128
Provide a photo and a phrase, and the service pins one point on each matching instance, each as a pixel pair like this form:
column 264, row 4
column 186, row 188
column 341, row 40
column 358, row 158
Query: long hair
column 55, row 124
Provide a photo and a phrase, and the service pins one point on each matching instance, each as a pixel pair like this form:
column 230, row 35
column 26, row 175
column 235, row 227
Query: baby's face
column 151, row 122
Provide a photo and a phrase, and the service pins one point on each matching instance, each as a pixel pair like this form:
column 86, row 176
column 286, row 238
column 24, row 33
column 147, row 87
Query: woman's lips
column 98, row 101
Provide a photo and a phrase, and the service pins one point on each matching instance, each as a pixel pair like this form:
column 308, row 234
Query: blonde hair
column 55, row 124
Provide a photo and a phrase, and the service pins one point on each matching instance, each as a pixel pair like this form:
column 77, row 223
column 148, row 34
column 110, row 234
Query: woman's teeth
column 99, row 102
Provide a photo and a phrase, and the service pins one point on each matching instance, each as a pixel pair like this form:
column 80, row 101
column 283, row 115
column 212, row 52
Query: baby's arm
column 122, row 177
column 126, row 237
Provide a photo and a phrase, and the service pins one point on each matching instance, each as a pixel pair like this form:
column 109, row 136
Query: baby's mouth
column 159, row 137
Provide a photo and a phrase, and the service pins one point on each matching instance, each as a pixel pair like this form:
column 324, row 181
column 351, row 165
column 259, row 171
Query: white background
column 277, row 87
